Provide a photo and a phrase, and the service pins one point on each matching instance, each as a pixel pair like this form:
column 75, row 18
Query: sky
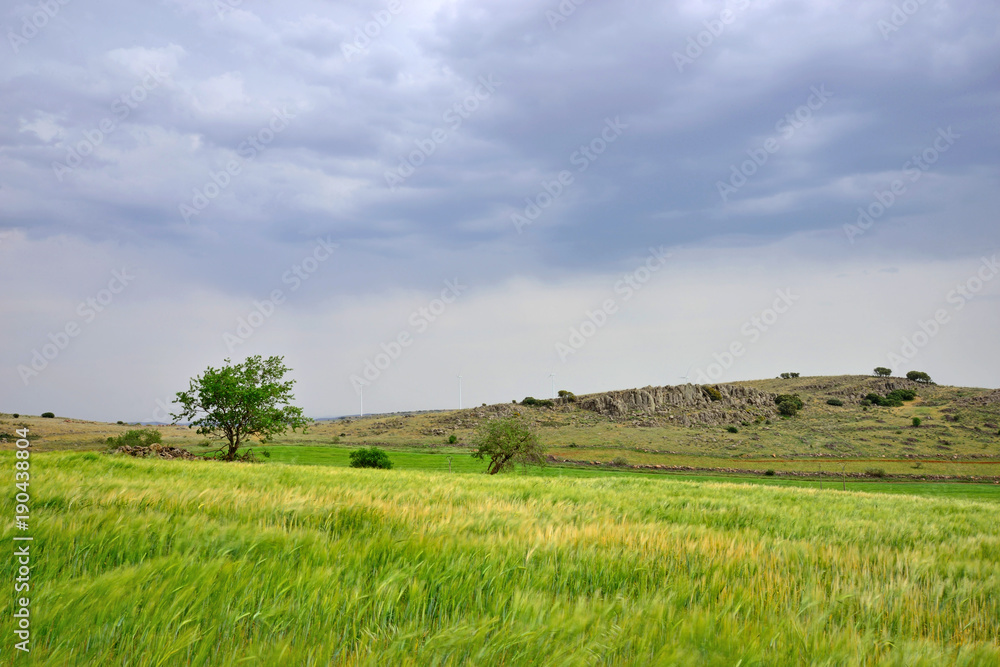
column 422, row 203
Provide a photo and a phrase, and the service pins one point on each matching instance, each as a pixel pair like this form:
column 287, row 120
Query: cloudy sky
column 394, row 193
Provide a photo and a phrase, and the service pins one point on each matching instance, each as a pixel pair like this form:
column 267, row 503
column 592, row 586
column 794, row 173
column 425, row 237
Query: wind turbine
column 686, row 376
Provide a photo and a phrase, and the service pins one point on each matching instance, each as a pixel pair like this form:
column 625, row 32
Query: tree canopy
column 507, row 442
column 240, row 402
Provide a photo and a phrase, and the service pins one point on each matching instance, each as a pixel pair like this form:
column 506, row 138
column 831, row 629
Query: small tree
column 239, row 402
column 506, row 442
column 882, row 371
column 919, row 376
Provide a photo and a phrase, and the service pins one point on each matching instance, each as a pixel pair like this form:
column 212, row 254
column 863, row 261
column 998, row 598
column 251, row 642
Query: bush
column 919, row 376
column 882, row 371
column 834, row 401
column 733, row 429
column 568, row 395
column 48, row 415
column 16, row 416
column 788, row 376
column 893, row 400
column 371, row 457
column 145, row 437
column 787, row 410
column 875, row 472
column 538, row 402
column 916, row 422
column 713, row 393
column 769, row 472
column 901, row 395
column 788, row 404
column 452, row 439
column 619, row 462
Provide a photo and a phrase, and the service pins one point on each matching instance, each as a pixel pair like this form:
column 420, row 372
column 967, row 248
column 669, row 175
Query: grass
column 151, row 562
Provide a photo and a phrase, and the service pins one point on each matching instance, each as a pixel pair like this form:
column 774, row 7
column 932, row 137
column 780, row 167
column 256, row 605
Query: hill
column 684, row 429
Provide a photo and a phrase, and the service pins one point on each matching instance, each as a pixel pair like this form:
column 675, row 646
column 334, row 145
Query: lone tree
column 506, row 442
column 882, row 371
column 919, row 376
column 240, row 402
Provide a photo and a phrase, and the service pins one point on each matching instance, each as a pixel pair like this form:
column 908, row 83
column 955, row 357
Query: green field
column 149, row 562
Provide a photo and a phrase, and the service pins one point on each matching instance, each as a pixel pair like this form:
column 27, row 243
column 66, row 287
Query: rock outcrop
column 685, row 405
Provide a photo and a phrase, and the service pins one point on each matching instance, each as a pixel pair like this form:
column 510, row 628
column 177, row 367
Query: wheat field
column 142, row 562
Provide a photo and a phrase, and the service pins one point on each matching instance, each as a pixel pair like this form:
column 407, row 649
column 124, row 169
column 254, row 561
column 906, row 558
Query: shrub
column 834, row 401
column 121, row 423
column 787, row 410
column 882, row 371
column 733, row 429
column 788, row 404
column 916, row 422
column 619, row 462
column 452, row 439
column 902, row 395
column 265, row 453
column 769, row 472
column 145, row 437
column 16, row 416
column 568, row 395
column 785, row 376
column 875, row 472
column 713, row 393
column 538, row 402
column 370, row 457
column 919, row 376
column 48, row 415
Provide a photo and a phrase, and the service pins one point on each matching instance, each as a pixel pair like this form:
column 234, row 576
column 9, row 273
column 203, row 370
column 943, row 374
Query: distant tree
column 507, row 442
column 239, row 402
column 788, row 376
column 882, row 371
column 48, row 415
column 919, row 376
column 834, row 401
column 916, row 422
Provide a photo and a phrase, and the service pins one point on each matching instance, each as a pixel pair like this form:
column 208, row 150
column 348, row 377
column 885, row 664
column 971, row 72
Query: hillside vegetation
column 150, row 562
column 959, row 434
